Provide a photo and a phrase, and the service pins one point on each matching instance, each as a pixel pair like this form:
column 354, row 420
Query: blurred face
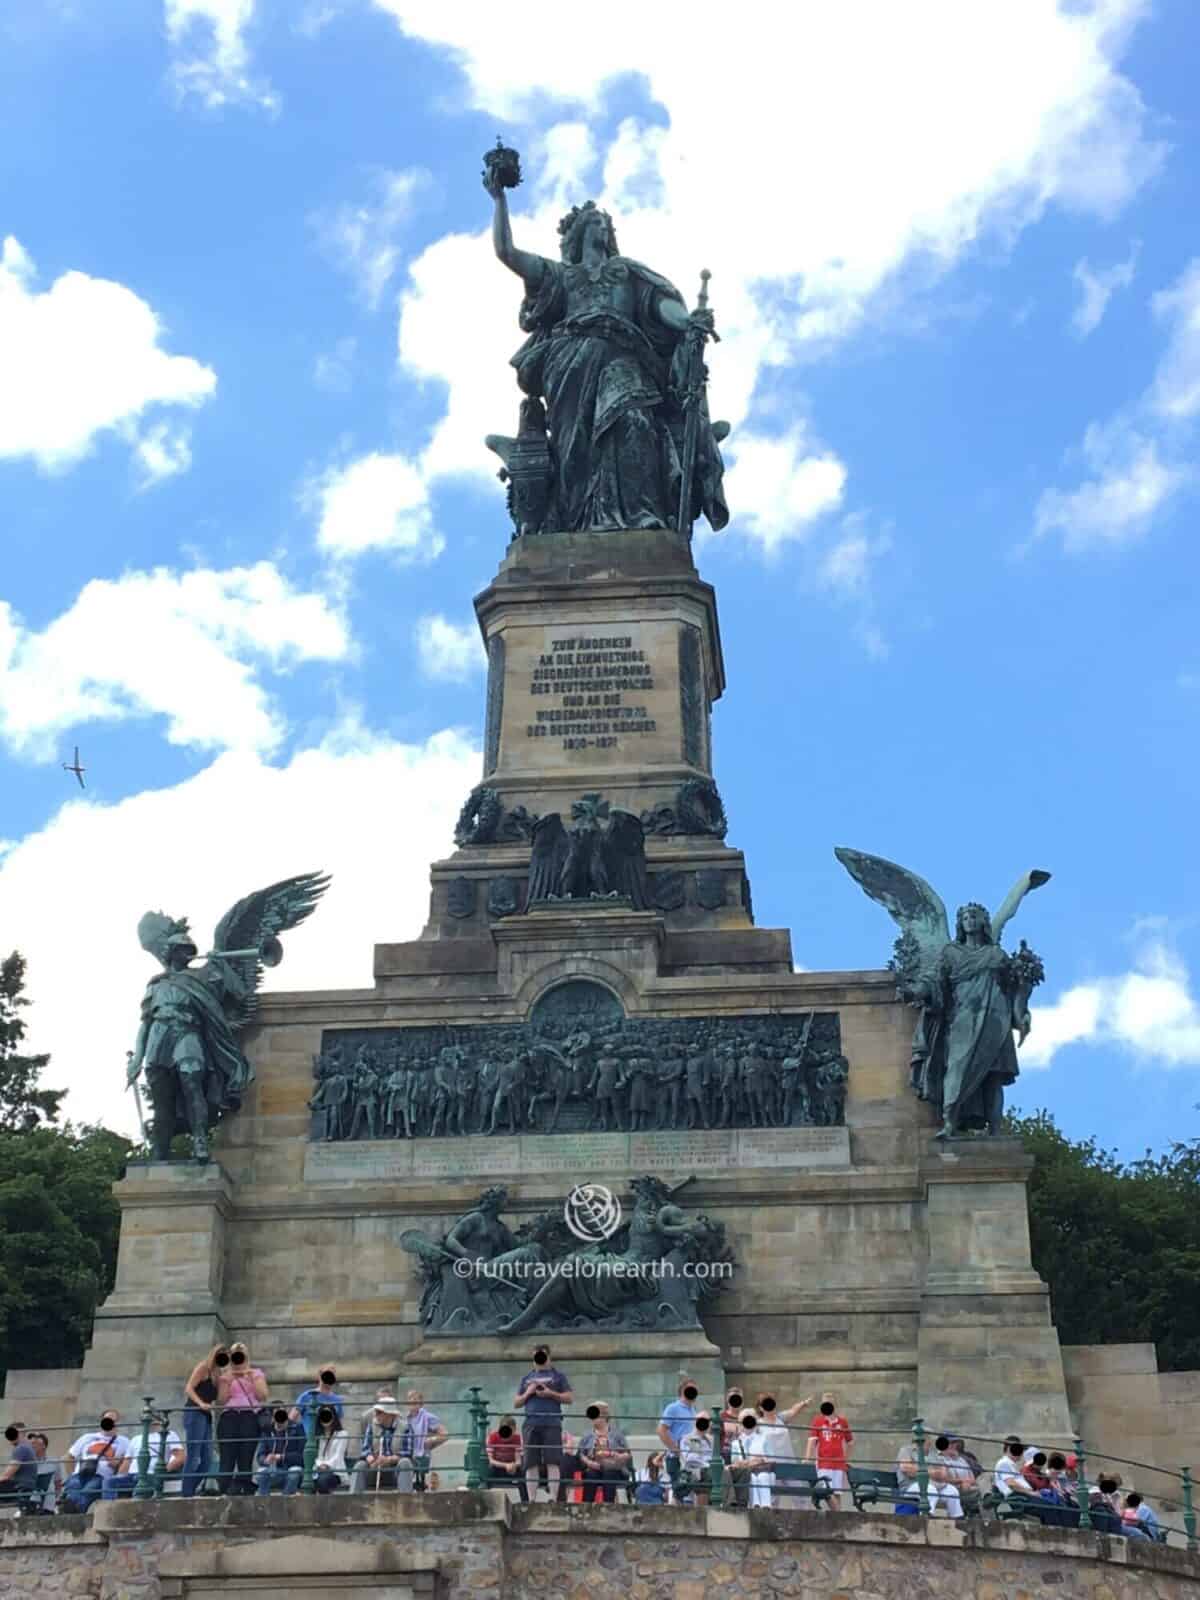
column 415, row 1399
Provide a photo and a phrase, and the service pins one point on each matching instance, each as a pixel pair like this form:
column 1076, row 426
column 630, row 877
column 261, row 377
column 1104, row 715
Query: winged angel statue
column 187, row 1044
column 973, row 995
column 602, row 855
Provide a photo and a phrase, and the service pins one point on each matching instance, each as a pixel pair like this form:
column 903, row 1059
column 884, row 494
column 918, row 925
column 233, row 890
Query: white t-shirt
column 173, row 1443
column 89, row 1445
column 779, row 1440
column 1006, row 1475
column 757, row 1443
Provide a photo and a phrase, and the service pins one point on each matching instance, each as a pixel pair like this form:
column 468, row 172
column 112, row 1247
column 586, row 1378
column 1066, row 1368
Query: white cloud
column 447, row 650
column 1150, row 1011
column 80, row 357
column 1130, row 484
column 192, row 850
column 1139, row 458
column 1175, row 394
column 378, row 502
column 365, row 240
column 901, row 135
column 210, row 56
column 779, row 486
column 1097, row 285
column 184, row 646
column 160, row 452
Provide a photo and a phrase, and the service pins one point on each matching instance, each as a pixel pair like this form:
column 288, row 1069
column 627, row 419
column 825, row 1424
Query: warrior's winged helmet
column 159, row 935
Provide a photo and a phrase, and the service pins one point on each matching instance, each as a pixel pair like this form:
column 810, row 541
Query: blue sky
column 251, row 336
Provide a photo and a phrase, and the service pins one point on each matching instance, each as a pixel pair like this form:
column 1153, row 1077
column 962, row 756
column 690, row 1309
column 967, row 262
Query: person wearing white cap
column 376, row 1468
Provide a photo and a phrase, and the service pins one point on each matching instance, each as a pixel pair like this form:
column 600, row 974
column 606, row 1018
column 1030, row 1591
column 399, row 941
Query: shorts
column 543, row 1443
column 835, row 1475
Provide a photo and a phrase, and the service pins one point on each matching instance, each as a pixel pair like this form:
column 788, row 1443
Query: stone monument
column 591, row 1007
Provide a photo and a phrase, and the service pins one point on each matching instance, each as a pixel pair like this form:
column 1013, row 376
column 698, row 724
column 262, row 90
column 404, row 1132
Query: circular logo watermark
column 592, row 1212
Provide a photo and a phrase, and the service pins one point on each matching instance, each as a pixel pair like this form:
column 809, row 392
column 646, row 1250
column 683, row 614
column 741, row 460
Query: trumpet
column 268, row 950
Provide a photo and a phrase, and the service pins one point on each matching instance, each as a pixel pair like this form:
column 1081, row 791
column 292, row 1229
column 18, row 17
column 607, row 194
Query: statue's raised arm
column 524, row 263
column 1008, row 909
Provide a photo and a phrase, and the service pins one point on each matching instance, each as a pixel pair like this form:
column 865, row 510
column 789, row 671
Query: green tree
column 59, row 1226
column 1117, row 1242
column 22, row 1103
column 58, row 1220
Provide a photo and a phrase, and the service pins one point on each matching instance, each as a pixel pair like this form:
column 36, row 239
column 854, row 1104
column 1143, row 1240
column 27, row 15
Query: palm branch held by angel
column 972, row 994
column 609, row 366
column 187, row 1044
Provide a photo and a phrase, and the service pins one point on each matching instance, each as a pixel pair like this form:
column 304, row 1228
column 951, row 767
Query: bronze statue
column 602, row 855
column 613, row 369
column 973, row 995
column 191, row 1017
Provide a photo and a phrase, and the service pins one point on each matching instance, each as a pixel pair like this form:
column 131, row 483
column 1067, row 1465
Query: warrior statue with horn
column 187, row 1044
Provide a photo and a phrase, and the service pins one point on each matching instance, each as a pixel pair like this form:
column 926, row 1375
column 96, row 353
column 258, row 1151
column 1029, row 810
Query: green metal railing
column 721, row 1483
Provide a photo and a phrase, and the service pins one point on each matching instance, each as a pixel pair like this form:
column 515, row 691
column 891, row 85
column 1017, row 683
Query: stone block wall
column 478, row 1547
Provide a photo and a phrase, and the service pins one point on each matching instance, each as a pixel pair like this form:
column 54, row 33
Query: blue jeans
column 285, row 1478
column 79, row 1493
column 197, row 1432
column 120, row 1483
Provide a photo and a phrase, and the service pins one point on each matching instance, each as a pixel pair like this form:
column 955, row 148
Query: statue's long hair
column 985, row 915
column 571, row 232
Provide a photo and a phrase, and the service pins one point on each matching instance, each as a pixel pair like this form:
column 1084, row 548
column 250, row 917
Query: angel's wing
column 419, row 1244
column 252, row 926
column 1023, row 886
column 908, row 900
column 625, row 856
column 546, row 860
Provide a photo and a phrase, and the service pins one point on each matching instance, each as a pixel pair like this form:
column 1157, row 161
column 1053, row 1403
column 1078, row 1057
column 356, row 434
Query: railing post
column 1081, row 1488
column 1189, row 1509
column 160, row 1471
column 476, row 1456
column 144, row 1489
column 716, row 1471
column 918, row 1429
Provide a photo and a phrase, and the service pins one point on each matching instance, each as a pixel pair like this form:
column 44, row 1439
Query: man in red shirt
column 828, row 1436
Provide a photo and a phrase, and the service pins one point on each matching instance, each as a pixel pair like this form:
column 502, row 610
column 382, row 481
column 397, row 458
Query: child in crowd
column 651, row 1490
column 828, row 1436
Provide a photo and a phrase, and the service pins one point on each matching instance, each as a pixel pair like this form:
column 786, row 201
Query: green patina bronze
column 614, row 431
column 972, row 994
column 187, row 1045
column 651, row 1268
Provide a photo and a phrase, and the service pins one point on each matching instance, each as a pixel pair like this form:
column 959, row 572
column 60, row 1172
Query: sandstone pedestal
column 869, row 1259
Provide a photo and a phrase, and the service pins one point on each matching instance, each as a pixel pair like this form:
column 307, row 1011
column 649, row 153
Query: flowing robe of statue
column 965, row 1036
column 610, row 371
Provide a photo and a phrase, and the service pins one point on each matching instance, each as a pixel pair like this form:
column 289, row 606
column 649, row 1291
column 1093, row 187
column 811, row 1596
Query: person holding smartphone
column 541, row 1395
column 201, row 1393
column 242, row 1397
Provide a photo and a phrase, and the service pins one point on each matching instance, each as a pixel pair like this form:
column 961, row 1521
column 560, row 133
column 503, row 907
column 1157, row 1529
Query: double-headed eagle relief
column 973, row 995
column 187, row 1046
column 614, row 431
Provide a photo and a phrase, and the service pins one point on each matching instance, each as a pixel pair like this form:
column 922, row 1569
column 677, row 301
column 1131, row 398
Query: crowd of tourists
column 237, row 1442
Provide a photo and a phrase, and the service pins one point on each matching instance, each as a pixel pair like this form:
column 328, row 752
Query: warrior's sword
column 693, row 395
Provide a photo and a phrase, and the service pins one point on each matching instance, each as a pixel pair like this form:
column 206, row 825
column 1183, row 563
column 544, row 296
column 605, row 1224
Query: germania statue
column 972, row 994
column 187, row 1045
column 615, row 431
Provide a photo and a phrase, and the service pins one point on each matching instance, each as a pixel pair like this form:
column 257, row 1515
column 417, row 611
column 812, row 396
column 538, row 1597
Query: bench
column 870, row 1485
